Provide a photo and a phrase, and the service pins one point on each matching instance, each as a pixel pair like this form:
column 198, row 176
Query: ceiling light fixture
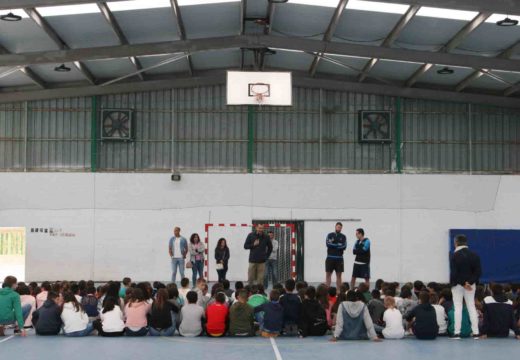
column 11, row 17
column 62, row 68
column 507, row 22
column 445, row 71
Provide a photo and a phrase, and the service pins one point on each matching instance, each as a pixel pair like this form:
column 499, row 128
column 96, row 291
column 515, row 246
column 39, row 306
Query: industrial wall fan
column 375, row 126
column 117, row 124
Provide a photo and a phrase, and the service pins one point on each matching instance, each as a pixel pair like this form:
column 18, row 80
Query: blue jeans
column 177, row 263
column 26, row 310
column 85, row 332
column 271, row 267
column 198, row 267
column 164, row 332
column 140, row 332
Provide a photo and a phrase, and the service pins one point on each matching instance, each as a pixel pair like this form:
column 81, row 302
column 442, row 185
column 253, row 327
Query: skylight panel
column 325, row 3
column 377, row 6
column 68, row 10
column 446, row 13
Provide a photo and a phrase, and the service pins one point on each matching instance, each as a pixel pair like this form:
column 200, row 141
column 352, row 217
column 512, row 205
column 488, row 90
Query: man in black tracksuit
column 465, row 273
column 336, row 244
column 260, row 247
column 362, row 261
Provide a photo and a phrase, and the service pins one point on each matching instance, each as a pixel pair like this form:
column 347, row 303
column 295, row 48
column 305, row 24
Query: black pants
column 222, row 273
column 99, row 327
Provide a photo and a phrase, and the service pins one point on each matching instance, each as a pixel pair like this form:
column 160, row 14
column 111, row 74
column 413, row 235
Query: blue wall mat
column 499, row 252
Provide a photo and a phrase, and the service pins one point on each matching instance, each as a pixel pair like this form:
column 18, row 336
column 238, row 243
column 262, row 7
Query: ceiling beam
column 512, row 89
column 506, row 54
column 258, row 41
column 329, row 33
column 112, row 21
column 35, row 78
column 45, row 26
column 390, row 38
column 511, row 7
column 450, row 45
column 181, row 29
column 215, row 77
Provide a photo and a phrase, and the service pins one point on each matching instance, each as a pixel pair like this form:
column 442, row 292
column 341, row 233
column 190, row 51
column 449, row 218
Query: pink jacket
column 41, row 298
column 136, row 314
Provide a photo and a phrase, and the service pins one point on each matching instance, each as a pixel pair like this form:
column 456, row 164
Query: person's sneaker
column 455, row 337
column 476, row 337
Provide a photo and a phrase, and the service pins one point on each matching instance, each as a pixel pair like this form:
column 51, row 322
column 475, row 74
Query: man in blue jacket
column 260, row 248
column 178, row 248
column 362, row 261
column 336, row 244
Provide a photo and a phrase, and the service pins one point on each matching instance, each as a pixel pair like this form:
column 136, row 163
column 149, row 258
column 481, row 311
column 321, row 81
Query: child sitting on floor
column 272, row 322
column 192, row 316
column 353, row 321
column 291, row 304
column 110, row 322
column 216, row 316
column 136, row 312
column 46, row 320
column 423, row 318
column 393, row 320
column 89, row 302
column 75, row 320
column 313, row 319
column 241, row 317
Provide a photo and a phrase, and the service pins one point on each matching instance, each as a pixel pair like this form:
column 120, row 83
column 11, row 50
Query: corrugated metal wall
column 193, row 130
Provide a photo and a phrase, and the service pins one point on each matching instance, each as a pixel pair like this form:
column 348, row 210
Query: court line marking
column 6, row 339
column 277, row 354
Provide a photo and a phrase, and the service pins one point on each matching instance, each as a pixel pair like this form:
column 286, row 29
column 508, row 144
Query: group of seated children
column 296, row 309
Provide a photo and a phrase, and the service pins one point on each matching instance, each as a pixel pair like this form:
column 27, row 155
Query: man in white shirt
column 271, row 265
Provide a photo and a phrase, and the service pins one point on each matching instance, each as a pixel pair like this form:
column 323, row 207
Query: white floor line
column 277, row 354
column 7, row 338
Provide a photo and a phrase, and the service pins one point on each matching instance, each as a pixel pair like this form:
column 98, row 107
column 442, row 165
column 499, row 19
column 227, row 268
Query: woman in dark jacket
column 222, row 257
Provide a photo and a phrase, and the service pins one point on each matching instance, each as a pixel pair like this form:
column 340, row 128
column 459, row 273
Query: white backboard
column 279, row 88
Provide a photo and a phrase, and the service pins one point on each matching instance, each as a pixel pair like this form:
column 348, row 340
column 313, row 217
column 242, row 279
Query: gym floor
column 60, row 347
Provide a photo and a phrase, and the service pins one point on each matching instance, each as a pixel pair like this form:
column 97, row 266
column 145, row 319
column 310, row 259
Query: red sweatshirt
column 216, row 315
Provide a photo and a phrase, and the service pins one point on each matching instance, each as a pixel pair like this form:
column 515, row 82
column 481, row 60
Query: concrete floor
column 59, row 347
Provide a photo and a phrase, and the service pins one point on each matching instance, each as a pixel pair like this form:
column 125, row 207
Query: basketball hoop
column 259, row 91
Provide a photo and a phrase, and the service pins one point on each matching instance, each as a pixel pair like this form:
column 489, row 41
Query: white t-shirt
column 177, row 248
column 441, row 319
column 394, row 324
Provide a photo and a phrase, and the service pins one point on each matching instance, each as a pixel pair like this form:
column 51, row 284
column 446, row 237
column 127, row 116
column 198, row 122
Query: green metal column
column 93, row 135
column 250, row 138
column 398, row 118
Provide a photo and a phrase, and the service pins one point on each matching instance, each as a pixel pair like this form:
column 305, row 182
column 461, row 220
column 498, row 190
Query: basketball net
column 260, row 91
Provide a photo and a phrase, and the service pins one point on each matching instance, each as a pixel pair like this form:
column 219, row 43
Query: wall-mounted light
column 176, row 177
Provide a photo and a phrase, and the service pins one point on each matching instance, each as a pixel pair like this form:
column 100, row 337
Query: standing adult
column 222, row 258
column 362, row 261
column 271, row 265
column 260, row 248
column 465, row 272
column 196, row 249
column 178, row 249
column 336, row 244
column 11, row 310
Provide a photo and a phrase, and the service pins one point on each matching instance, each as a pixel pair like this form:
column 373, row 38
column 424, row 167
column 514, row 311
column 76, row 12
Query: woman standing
column 222, row 257
column 196, row 249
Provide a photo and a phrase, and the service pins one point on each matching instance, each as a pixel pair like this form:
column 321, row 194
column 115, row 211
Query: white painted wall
column 122, row 222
